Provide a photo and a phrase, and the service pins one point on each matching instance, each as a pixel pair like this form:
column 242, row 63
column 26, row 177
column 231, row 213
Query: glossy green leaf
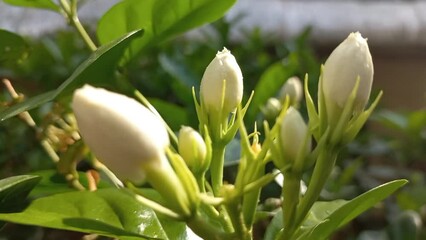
column 12, row 47
column 53, row 183
column 107, row 212
column 180, row 71
column 182, row 77
column 268, row 86
column 392, row 120
column 173, row 229
column 274, row 226
column 45, row 4
column 174, row 115
column 161, row 19
column 320, row 211
column 98, row 68
column 14, row 191
column 333, row 215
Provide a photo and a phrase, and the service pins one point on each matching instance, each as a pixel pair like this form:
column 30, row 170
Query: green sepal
column 314, row 121
column 230, row 134
column 357, row 123
column 344, row 118
column 187, row 179
column 322, row 111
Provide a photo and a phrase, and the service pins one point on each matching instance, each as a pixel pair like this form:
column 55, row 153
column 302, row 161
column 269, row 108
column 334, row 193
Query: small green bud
column 193, row 149
column 293, row 134
column 348, row 62
column 293, row 89
column 222, row 68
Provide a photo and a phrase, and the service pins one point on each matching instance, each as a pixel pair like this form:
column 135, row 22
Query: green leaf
column 320, row 211
column 173, row 229
column 53, row 183
column 182, row 77
column 174, row 115
column 333, row 215
column 96, row 69
column 268, row 86
column 107, row 212
column 44, row 4
column 275, row 226
column 392, row 120
column 14, row 191
column 12, row 47
column 161, row 19
column 179, row 70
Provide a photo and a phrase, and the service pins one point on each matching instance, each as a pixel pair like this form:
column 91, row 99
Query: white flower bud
column 193, row 149
column 350, row 60
column 120, row 131
column 222, row 67
column 293, row 133
column 271, row 109
column 293, row 89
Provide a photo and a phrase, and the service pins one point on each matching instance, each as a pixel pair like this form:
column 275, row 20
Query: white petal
column 120, row 131
column 222, row 67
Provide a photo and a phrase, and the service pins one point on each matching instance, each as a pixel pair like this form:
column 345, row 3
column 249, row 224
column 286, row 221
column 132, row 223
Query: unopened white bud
column 120, row 131
column 222, row 69
column 348, row 62
column 293, row 134
column 271, row 109
column 193, row 149
column 292, row 89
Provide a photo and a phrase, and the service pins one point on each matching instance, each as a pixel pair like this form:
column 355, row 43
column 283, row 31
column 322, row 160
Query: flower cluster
column 133, row 142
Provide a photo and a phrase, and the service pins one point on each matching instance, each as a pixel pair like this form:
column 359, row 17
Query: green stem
column 214, row 215
column 322, row 170
column 167, row 183
column 86, row 38
column 234, row 210
column 158, row 208
column 205, row 230
column 250, row 202
column 201, row 181
column 71, row 13
column 251, row 199
column 290, row 193
column 216, row 166
column 225, row 219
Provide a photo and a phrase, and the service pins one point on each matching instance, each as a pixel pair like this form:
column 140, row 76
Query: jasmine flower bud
column 193, row 150
column 348, row 62
column 223, row 69
column 271, row 109
column 293, row 134
column 120, row 131
column 293, row 89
